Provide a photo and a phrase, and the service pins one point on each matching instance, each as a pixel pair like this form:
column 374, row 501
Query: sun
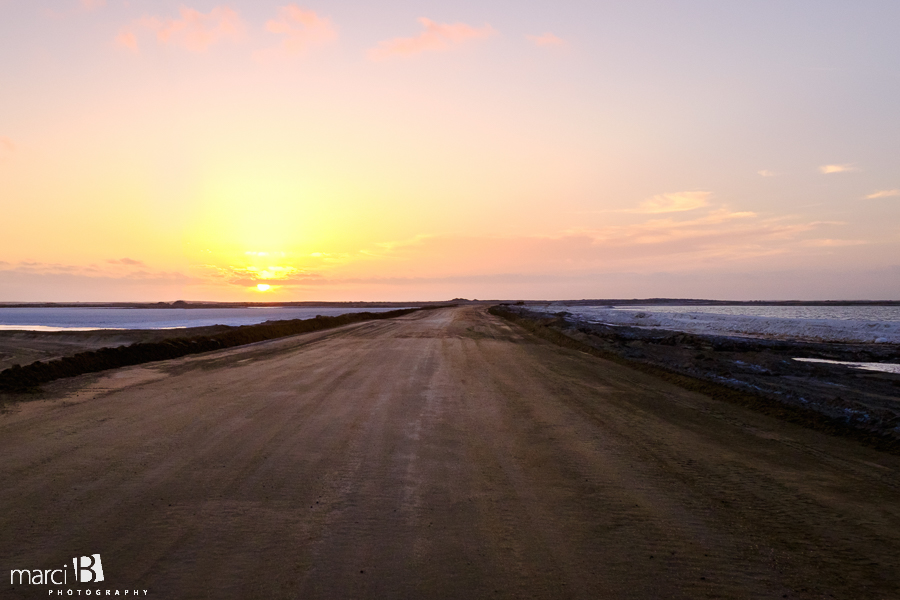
column 263, row 287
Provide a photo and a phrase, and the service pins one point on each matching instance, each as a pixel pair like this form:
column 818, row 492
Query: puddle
column 882, row 367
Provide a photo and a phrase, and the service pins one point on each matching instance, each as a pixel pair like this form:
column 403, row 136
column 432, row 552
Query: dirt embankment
column 192, row 341
column 26, row 347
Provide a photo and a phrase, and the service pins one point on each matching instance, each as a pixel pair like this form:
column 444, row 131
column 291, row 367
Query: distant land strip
column 23, row 379
column 213, row 304
column 456, row 301
column 553, row 330
column 701, row 302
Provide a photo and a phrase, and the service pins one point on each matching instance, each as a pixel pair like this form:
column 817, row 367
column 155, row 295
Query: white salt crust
column 818, row 330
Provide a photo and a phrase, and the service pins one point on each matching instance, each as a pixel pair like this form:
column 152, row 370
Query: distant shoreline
column 700, row 302
column 207, row 305
column 589, row 302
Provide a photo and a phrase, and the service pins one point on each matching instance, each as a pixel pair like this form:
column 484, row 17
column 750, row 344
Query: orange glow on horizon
column 220, row 151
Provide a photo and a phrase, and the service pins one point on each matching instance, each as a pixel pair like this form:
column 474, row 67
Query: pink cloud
column 301, row 29
column 7, row 144
column 194, row 31
column 546, row 40
column 436, row 37
column 127, row 39
column 74, row 7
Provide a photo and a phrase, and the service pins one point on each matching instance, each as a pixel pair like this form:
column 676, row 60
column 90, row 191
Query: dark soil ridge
column 869, row 414
column 707, row 302
column 24, row 379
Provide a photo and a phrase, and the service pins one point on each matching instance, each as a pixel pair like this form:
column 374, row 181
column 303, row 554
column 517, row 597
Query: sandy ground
column 440, row 455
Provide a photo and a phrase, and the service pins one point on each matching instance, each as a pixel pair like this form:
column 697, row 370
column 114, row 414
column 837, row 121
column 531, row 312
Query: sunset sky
column 414, row 150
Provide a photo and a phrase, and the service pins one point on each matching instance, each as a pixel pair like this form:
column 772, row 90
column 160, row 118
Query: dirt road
column 440, row 455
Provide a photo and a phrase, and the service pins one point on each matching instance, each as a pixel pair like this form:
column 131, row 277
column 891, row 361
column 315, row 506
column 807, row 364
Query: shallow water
column 860, row 324
column 866, row 366
column 89, row 319
column 840, row 313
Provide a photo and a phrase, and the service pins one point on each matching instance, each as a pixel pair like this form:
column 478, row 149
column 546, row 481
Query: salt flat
column 705, row 320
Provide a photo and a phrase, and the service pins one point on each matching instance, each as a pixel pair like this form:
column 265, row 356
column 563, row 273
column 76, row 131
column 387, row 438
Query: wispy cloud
column 662, row 242
column 127, row 39
column 194, row 30
column 74, row 7
column 883, row 194
column 435, row 37
column 126, row 261
column 765, row 173
column 676, row 202
column 38, row 268
column 394, row 244
column 546, row 40
column 280, row 275
column 829, row 169
column 708, row 238
column 6, row 146
column 830, row 243
column 263, row 254
column 301, row 29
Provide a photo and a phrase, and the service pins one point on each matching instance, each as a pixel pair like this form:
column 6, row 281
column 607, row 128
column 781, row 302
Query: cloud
column 75, row 6
column 194, row 31
column 709, row 238
column 663, row 242
column 546, row 40
column 829, row 169
column 883, row 194
column 36, row 268
column 251, row 276
column 6, row 145
column 301, row 29
column 677, row 202
column 829, row 243
column 436, row 37
column 765, row 173
column 128, row 39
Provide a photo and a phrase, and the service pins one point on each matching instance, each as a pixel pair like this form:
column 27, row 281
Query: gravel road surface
column 445, row 454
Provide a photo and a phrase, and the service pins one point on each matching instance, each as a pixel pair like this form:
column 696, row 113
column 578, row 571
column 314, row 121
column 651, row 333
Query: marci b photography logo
column 87, row 570
column 91, row 569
